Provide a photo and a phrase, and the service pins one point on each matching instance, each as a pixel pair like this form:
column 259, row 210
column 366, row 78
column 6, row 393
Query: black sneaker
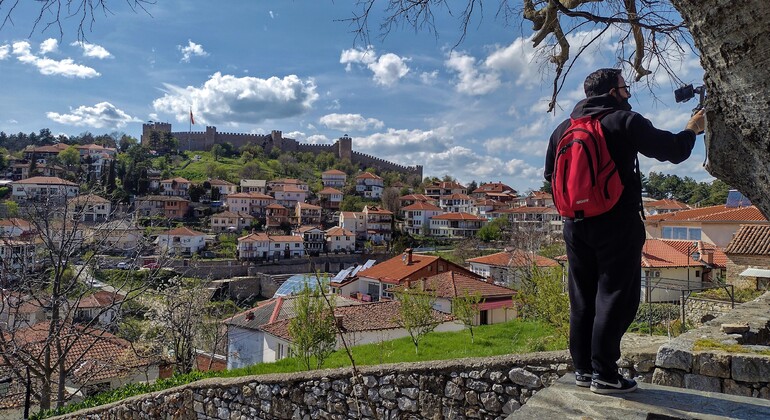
column 620, row 385
column 582, row 379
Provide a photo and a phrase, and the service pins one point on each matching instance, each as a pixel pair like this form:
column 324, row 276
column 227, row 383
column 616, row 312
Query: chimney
column 708, row 258
column 408, row 256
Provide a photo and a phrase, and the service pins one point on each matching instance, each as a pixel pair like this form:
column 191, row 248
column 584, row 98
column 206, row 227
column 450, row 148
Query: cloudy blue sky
column 475, row 111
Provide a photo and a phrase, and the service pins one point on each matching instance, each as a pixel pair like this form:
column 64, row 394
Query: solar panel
column 736, row 199
column 342, row 274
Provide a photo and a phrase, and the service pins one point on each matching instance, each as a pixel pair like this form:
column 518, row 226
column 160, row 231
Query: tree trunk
column 732, row 37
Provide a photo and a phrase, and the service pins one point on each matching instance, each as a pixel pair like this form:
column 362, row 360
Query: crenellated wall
column 342, row 148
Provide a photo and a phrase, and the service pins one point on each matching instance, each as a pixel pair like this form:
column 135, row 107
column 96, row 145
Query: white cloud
column 388, row 68
column 49, row 45
column 349, row 122
column 473, row 79
column 230, row 99
column 92, row 50
column 317, row 139
column 4, row 50
column 101, row 115
column 272, row 16
column 192, row 49
column 429, row 78
column 49, row 67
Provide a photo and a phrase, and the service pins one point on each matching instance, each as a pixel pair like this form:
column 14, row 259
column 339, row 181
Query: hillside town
column 77, row 225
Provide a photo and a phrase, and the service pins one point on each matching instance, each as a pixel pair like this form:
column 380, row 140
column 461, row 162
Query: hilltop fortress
column 342, row 148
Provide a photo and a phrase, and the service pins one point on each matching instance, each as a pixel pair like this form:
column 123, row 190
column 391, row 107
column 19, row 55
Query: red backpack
column 585, row 181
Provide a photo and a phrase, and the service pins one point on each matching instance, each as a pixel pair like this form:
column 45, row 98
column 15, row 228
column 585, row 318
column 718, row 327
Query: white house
column 379, row 224
column 181, row 241
column 230, row 221
column 40, row 187
column 330, row 198
column 289, row 195
column 509, row 267
column 456, row 225
column 369, row 185
column 254, row 185
column 456, row 203
column 264, row 246
column 333, row 178
column 354, row 221
column 118, row 235
column 670, row 266
column 225, row 188
column 338, row 239
column 253, row 203
column 175, row 186
column 90, row 208
column 102, row 306
column 313, row 237
column 14, row 227
column 417, row 217
column 245, row 338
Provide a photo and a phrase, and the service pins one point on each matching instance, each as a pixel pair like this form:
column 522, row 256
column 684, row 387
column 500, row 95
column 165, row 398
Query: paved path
column 563, row 400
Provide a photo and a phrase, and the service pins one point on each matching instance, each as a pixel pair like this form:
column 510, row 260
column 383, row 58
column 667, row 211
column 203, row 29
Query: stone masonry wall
column 487, row 388
column 483, row 388
column 699, row 311
column 745, row 372
column 737, row 263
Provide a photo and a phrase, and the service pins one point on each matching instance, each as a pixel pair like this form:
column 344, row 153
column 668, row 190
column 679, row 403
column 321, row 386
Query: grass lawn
column 516, row 336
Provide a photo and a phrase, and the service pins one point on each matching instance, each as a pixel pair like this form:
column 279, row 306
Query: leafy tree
column 390, row 200
column 543, row 297
column 415, row 314
column 493, row 231
column 466, row 307
column 313, row 330
column 70, row 157
column 352, row 203
column 126, row 142
column 217, row 151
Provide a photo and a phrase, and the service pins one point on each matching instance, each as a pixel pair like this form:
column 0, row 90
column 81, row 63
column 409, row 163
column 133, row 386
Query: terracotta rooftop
column 100, row 299
column 421, row 205
column 368, row 175
column 396, row 269
column 450, row 285
column 661, row 253
column 515, row 258
column 184, row 231
column 493, row 187
column 530, row 209
column 229, row 214
column 329, row 190
column 712, row 214
column 417, row 197
column 338, row 231
column 220, row 182
column 456, row 196
column 46, row 180
column 358, row 318
column 179, row 180
column 458, row 216
column 751, row 240
column 274, row 310
column 308, row 206
column 251, row 195
column 333, row 172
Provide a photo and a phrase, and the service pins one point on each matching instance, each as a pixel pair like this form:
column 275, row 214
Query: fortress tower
column 345, row 148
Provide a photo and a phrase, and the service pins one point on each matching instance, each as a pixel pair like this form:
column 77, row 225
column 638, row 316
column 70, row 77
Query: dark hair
column 601, row 81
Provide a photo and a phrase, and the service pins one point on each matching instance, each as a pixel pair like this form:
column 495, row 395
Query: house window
column 681, row 232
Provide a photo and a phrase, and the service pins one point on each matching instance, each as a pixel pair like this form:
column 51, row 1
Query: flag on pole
column 192, row 120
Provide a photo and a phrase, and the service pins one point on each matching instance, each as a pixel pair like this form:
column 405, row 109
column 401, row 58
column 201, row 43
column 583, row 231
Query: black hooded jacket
column 627, row 133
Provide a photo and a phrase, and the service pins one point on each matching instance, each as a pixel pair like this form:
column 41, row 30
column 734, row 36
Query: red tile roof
column 45, row 180
column 750, row 240
column 358, row 318
column 660, row 253
column 179, row 180
column 458, row 216
column 421, row 205
column 515, row 258
column 712, row 214
column 368, row 175
column 329, row 190
column 451, row 285
column 184, row 231
column 456, row 196
column 100, row 299
column 338, row 231
column 333, row 172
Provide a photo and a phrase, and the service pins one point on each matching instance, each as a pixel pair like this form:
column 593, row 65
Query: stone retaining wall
column 700, row 311
column 745, row 373
column 487, row 388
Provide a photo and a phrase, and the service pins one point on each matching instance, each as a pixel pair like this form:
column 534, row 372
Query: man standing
column 604, row 251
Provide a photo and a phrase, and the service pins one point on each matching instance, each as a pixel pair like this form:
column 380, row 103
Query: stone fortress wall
column 342, row 148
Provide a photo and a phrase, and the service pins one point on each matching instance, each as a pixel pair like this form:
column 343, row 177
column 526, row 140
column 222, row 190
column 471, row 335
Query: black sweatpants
column 604, row 255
